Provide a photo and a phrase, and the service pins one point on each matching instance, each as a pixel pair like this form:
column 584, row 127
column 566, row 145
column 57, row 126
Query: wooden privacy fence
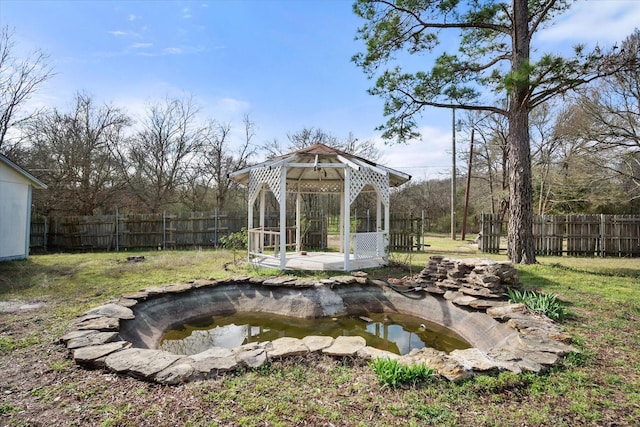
column 578, row 235
column 183, row 230
column 138, row 231
column 406, row 232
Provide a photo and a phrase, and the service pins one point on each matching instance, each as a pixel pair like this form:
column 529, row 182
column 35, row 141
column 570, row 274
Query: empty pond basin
column 397, row 333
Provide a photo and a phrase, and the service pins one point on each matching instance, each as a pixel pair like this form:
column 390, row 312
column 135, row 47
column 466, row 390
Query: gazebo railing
column 370, row 245
column 263, row 239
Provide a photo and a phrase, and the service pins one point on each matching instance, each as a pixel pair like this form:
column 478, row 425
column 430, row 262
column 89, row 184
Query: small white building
column 16, row 185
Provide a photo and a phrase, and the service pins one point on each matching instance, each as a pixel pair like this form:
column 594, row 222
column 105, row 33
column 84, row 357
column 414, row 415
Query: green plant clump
column 393, row 374
column 547, row 304
column 235, row 241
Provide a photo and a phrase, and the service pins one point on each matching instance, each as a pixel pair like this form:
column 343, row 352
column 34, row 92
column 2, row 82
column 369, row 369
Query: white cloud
column 132, row 17
column 140, row 45
column 427, row 158
column 594, row 21
column 186, row 13
column 118, row 33
column 233, row 106
column 173, row 50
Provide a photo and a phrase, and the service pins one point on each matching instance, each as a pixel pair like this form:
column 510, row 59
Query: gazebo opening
column 332, row 184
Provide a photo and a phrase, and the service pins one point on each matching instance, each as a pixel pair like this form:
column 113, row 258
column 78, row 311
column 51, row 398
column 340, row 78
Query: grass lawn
column 40, row 385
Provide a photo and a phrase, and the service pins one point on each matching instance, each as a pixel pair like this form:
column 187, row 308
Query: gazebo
column 314, row 170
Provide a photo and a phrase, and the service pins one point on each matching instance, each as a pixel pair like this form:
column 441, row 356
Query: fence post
column 543, row 224
column 481, row 239
column 602, row 236
column 117, row 236
column 45, row 233
column 422, row 230
column 164, row 230
column 215, row 228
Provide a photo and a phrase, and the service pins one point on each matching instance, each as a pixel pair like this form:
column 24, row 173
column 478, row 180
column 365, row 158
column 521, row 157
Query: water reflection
column 396, row 333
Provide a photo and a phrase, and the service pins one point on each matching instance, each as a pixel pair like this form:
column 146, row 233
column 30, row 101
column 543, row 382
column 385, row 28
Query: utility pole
column 467, row 189
column 453, row 175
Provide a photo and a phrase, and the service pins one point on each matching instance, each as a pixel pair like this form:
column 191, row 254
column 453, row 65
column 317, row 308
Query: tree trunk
column 520, row 244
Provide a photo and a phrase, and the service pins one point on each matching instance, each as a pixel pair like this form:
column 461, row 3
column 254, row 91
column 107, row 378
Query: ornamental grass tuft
column 394, row 374
column 547, row 304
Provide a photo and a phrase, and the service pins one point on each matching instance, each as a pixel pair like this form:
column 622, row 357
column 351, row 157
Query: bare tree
column 309, row 136
column 544, row 147
column 612, row 113
column 491, row 159
column 70, row 151
column 19, row 80
column 161, row 154
column 226, row 160
column 216, row 161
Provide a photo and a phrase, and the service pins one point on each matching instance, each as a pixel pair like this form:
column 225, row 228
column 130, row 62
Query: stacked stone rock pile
column 476, row 277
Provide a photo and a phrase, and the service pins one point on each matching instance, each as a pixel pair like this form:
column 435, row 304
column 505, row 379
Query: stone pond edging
column 464, row 295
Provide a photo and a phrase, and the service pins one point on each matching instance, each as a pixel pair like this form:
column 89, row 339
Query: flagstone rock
column 479, row 361
column 116, row 311
column 345, row 346
column 140, row 362
column 280, row 281
column 98, row 324
column 91, row 339
column 369, row 353
column 506, row 312
column 215, row 360
column 177, row 288
column 94, row 355
column 439, row 361
column 286, row 347
column 178, row 373
column 252, row 355
column 75, row 334
column 317, row 343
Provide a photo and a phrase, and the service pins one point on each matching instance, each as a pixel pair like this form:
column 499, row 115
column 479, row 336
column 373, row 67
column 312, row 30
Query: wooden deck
column 317, row 261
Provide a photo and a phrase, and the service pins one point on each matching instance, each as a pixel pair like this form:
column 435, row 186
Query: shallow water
column 397, row 333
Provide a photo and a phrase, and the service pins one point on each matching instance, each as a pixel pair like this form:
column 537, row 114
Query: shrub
column 547, row 304
column 235, row 241
column 393, row 374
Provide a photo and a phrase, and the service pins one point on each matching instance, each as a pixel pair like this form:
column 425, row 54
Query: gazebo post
column 341, row 225
column 298, row 218
column 249, row 227
column 378, row 213
column 387, row 226
column 283, row 217
column 346, row 218
column 379, row 223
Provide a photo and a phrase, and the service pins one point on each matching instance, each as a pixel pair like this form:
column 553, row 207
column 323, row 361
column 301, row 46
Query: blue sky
column 286, row 63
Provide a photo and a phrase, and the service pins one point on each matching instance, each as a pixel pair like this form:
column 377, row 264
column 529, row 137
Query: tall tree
column 19, row 80
column 71, row 152
column 491, row 155
column 493, row 57
column 162, row 152
column 612, row 116
column 223, row 159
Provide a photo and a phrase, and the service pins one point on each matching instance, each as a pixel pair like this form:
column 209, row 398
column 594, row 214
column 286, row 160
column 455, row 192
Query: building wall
column 15, row 213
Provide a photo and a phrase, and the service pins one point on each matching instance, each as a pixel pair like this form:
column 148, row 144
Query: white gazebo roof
column 318, row 166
